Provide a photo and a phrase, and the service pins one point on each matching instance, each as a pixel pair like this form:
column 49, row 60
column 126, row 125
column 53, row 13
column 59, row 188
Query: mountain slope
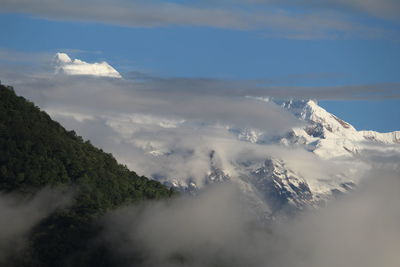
column 278, row 185
column 327, row 137
column 37, row 152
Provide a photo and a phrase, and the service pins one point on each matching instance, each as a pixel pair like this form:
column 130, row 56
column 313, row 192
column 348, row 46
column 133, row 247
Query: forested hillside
column 37, row 152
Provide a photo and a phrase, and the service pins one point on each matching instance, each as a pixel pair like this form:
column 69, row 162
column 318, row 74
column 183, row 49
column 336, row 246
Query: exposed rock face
column 275, row 187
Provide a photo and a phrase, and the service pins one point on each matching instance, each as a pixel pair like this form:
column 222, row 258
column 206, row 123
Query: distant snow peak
column 311, row 112
column 64, row 64
column 62, row 58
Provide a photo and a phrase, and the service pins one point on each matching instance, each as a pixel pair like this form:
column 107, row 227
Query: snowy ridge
column 386, row 138
column 281, row 185
column 64, row 64
column 309, row 111
column 327, row 135
column 275, row 187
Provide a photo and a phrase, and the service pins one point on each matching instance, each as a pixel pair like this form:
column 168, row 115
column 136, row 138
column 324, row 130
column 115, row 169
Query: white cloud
column 216, row 228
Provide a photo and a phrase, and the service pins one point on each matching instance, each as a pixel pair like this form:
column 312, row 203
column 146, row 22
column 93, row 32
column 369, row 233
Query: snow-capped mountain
column 64, row 64
column 315, row 157
column 276, row 187
column 327, row 135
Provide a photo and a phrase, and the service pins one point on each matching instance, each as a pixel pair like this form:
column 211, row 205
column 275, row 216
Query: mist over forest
column 217, row 226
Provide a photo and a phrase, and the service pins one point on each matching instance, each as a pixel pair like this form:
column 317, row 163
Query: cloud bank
column 167, row 127
column 283, row 19
column 144, row 127
column 216, row 228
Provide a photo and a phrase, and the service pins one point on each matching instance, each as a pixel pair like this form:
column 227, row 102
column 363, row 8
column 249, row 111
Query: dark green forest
column 37, row 152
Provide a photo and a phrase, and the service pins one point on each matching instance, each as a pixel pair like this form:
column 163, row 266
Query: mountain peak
column 309, row 111
column 64, row 64
column 62, row 58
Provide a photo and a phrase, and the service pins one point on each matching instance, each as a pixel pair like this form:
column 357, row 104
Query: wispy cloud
column 385, row 9
column 21, row 213
column 20, row 68
column 282, row 19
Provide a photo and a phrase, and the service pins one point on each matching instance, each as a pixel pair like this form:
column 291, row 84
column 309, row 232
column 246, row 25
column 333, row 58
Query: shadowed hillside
column 37, row 152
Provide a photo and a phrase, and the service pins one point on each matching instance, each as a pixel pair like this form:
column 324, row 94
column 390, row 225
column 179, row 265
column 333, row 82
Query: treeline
column 37, row 152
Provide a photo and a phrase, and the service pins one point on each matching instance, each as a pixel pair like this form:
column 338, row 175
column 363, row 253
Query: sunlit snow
column 64, row 64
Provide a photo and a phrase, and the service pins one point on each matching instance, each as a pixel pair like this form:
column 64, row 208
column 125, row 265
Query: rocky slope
column 275, row 187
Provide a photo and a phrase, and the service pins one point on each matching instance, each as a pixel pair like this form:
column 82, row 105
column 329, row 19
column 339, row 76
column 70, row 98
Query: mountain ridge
column 36, row 153
column 282, row 189
column 64, row 64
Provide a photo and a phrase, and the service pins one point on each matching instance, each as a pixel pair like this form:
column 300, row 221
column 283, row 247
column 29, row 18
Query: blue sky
column 334, row 45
